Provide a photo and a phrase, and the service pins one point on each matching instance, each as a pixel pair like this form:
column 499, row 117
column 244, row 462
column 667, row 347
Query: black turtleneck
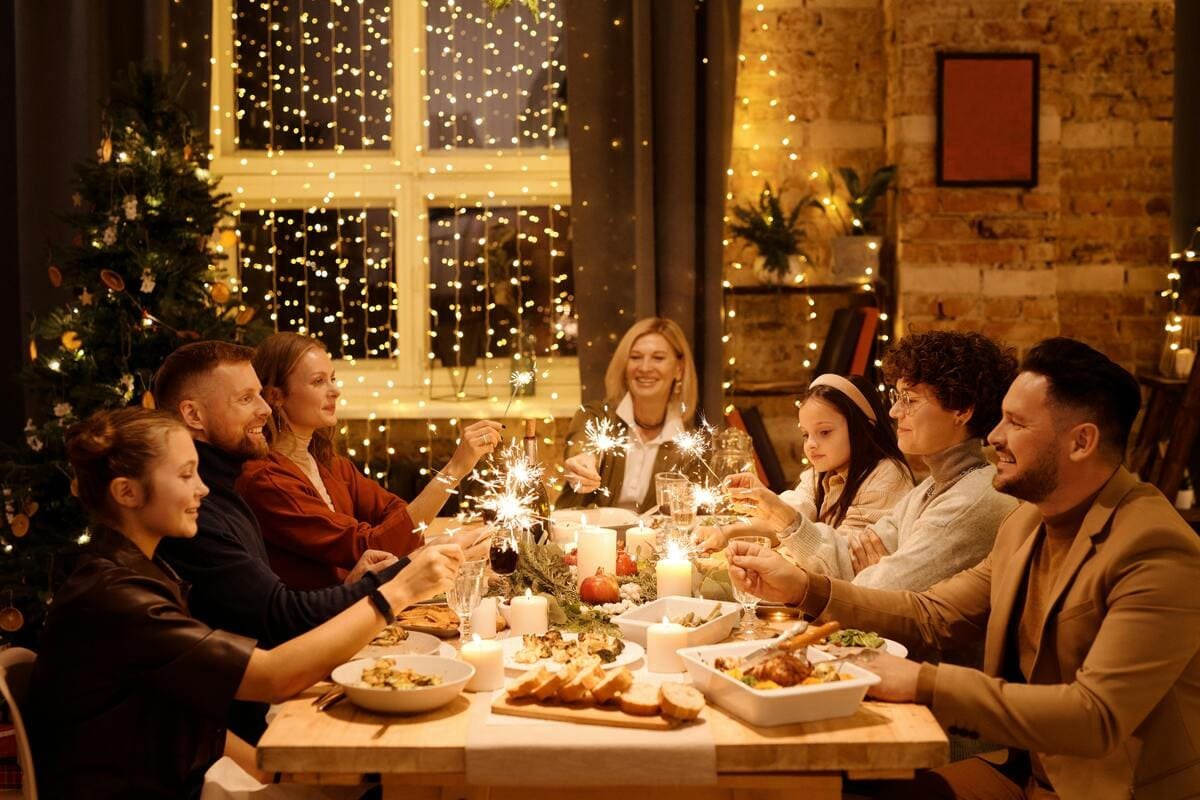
column 232, row 584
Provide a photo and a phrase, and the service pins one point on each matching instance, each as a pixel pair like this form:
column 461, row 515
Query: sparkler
column 695, row 444
column 509, row 494
column 602, row 436
column 519, row 380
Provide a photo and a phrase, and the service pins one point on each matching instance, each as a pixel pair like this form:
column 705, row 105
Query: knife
column 775, row 646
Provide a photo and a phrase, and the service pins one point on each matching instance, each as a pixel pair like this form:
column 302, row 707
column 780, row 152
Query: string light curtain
column 651, row 109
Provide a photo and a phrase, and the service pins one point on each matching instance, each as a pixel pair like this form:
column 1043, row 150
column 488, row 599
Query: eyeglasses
column 902, row 399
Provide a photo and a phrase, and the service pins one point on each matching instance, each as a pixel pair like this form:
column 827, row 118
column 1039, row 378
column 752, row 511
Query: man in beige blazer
column 1088, row 606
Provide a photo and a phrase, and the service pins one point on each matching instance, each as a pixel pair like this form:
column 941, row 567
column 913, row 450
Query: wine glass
column 681, row 497
column 465, row 593
column 751, row 628
column 663, row 481
column 503, row 553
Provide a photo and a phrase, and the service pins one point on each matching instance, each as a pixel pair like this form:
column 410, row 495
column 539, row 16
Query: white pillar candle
column 663, row 640
column 1184, row 358
column 674, row 573
column 488, row 660
column 639, row 542
column 483, row 620
column 597, row 550
column 529, row 614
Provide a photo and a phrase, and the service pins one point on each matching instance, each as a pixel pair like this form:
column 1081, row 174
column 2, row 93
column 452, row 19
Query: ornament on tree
column 148, row 283
column 228, row 240
column 220, row 293
column 110, row 232
column 130, row 206
column 187, row 152
column 55, row 275
column 31, row 438
column 86, row 297
column 77, row 200
column 62, row 410
column 245, row 316
column 31, row 507
column 33, row 351
column 148, row 401
column 112, row 280
column 105, row 151
column 11, row 618
column 19, row 525
column 71, row 341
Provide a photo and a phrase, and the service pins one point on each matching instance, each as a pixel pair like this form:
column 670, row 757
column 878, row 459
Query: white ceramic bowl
column 454, row 674
column 767, row 707
column 417, row 644
column 634, row 622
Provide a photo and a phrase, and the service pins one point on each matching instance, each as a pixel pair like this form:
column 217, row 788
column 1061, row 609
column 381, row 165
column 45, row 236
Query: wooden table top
column 881, row 738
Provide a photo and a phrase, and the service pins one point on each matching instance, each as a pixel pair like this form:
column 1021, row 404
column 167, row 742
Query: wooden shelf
column 816, row 288
column 768, row 389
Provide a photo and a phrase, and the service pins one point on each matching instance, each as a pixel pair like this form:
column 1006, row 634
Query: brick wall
column 1083, row 254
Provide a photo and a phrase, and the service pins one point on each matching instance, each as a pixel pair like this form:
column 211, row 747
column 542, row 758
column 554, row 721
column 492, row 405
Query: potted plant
column 856, row 251
column 775, row 234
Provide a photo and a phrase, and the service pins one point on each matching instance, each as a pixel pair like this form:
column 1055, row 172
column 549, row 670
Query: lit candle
column 597, row 550
column 1184, row 358
column 674, row 573
column 488, row 660
column 639, row 542
column 483, row 620
column 663, row 640
column 529, row 614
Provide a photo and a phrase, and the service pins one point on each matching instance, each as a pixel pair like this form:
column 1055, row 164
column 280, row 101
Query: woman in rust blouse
column 130, row 693
column 317, row 511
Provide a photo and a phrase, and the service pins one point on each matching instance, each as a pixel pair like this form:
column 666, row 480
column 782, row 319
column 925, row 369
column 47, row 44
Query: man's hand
column 899, row 684
column 430, row 572
column 581, row 474
column 865, row 549
column 764, row 573
column 371, row 561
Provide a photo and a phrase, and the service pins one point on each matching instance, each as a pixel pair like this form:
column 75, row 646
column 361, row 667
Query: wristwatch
column 385, row 608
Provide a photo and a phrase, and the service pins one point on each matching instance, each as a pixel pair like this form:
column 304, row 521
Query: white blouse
column 639, row 459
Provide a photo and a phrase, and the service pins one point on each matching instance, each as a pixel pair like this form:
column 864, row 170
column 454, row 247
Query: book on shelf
column 861, row 361
column 837, row 353
column 764, row 449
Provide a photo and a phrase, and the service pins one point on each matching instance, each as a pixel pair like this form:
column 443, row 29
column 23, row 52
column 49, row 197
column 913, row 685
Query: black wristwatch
column 380, row 602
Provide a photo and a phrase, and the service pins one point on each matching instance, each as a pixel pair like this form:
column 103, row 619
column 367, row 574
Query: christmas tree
column 144, row 274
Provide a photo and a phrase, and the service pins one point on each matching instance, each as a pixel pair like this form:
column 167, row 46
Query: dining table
column 426, row 755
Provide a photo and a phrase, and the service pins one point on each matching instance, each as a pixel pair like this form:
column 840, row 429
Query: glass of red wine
column 503, row 553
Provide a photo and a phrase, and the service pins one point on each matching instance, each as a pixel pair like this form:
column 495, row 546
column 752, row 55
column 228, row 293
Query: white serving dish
column 565, row 522
column 768, row 707
column 635, row 622
column 630, row 655
column 417, row 644
column 454, row 674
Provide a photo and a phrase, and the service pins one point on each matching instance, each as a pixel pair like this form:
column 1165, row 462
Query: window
column 401, row 183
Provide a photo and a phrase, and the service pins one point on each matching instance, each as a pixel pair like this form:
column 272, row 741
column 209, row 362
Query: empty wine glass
column 750, row 627
column 465, row 593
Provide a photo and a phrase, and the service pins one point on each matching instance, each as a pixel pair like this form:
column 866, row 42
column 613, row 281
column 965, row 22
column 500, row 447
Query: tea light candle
column 597, row 550
column 639, row 542
column 529, row 614
column 674, row 573
column 663, row 640
column 488, row 660
column 1184, row 358
column 483, row 620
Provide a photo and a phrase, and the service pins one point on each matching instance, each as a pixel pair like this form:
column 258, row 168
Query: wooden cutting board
column 584, row 715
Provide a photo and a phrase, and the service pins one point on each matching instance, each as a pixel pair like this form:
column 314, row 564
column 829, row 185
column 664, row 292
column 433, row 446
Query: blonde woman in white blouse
column 857, row 475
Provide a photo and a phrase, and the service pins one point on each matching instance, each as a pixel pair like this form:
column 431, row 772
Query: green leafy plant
column 499, row 5
column 771, row 230
column 861, row 198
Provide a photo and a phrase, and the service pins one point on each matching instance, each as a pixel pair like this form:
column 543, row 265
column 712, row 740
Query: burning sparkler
column 695, row 444
column 519, row 380
column 601, row 437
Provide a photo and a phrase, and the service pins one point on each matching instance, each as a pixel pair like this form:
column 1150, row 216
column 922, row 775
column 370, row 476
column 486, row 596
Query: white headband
column 847, row 388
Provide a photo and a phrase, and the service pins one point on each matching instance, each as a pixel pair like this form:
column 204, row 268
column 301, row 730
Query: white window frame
column 409, row 179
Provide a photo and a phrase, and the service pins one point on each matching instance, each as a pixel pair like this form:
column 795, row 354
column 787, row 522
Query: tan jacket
column 1113, row 706
column 612, row 471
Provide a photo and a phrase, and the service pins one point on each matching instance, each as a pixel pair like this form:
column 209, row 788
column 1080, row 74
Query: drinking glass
column 662, row 483
column 750, row 627
column 504, row 552
column 681, row 499
column 465, row 593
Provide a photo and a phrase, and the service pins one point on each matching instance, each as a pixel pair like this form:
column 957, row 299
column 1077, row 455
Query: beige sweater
column 878, row 494
column 944, row 525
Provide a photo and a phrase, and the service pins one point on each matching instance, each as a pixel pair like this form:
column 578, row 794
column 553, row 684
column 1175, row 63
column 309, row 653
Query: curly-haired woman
column 946, row 393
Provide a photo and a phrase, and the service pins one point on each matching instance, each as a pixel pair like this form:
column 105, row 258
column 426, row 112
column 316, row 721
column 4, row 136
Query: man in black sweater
column 213, row 387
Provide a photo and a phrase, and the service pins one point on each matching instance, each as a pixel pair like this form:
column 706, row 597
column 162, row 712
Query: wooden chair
column 16, row 669
column 1164, row 467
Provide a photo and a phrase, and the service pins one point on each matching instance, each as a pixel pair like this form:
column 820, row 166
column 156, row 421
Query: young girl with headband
column 857, row 472
column 131, row 692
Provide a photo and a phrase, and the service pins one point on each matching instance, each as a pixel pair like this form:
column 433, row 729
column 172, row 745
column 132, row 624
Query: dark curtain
column 60, row 60
column 651, row 114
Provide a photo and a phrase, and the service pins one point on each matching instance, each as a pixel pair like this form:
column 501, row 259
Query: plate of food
column 852, row 640
column 554, row 649
column 403, row 684
column 395, row 640
column 435, row 619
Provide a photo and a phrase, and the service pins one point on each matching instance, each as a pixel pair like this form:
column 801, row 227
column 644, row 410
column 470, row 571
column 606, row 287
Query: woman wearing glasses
column 945, row 398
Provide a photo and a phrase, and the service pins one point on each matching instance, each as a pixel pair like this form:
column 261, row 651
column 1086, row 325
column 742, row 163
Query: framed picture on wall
column 987, row 119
